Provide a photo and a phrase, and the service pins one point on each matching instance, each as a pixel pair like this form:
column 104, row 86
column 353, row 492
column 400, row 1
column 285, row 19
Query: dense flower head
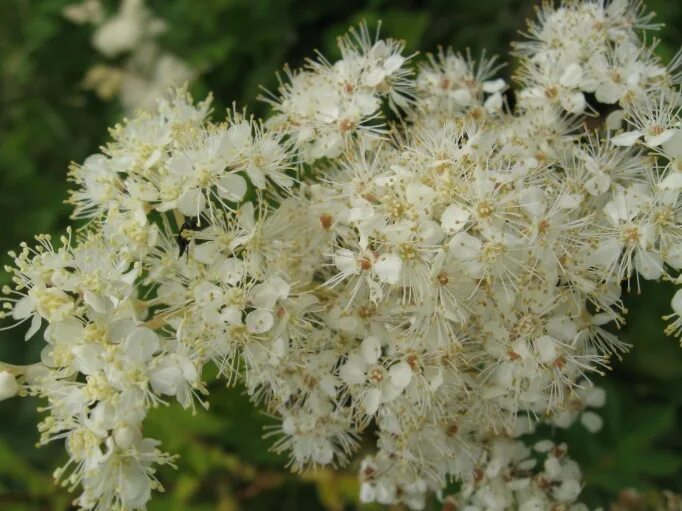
column 443, row 283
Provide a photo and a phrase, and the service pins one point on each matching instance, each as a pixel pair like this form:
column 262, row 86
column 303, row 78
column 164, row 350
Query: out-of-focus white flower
column 147, row 72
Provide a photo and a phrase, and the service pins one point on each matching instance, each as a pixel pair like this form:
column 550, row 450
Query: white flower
column 174, row 375
column 430, row 287
column 121, row 32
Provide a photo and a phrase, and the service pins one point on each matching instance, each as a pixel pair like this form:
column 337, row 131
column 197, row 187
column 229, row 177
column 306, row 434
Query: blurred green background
column 47, row 119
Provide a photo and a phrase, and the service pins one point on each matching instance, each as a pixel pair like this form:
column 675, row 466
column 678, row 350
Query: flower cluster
column 147, row 71
column 508, row 479
column 442, row 281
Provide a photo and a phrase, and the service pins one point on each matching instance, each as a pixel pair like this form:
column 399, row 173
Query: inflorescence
column 410, row 253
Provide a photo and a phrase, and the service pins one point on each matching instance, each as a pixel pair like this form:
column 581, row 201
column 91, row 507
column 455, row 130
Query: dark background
column 47, row 120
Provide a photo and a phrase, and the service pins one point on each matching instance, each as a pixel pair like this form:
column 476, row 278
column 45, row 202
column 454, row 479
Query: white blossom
column 448, row 287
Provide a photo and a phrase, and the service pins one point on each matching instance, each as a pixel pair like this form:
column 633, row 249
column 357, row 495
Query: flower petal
column 626, row 139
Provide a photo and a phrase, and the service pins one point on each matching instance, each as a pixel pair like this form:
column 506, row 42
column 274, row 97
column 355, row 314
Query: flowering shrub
column 417, row 256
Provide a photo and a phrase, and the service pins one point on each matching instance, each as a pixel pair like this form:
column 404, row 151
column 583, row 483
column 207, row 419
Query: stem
column 157, row 321
column 179, row 219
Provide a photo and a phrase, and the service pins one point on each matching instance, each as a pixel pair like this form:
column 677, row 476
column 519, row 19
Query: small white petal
column 543, row 446
column 8, row 385
column 393, row 63
column 352, row 373
column 493, row 104
column 599, row 183
column 192, row 202
column 35, row 326
column 367, row 493
column 207, row 293
column 374, row 77
column 231, row 315
column 345, row 261
column 232, row 187
column 609, row 93
column 126, row 436
column 532, row 200
column 454, row 219
column 431, row 233
column 281, row 286
column 256, row 176
column 389, row 392
column 180, row 165
column 400, row 374
column 592, row 422
column 97, row 303
column 568, row 491
column 135, row 487
column 573, row 103
column 142, row 343
column 656, row 140
column 673, row 147
column 569, row 200
column 371, row 349
column 546, row 348
column 372, row 400
column 562, row 327
column 206, row 253
column 677, row 302
column 493, row 86
column 461, row 97
column 263, row 295
column 673, row 181
column 648, row 264
column 166, row 378
column 573, row 75
column 231, row 270
column 614, row 121
column 464, row 246
column 324, row 453
column 626, row 139
column 595, row 397
column 388, row 268
column 259, row 321
column 23, row 308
